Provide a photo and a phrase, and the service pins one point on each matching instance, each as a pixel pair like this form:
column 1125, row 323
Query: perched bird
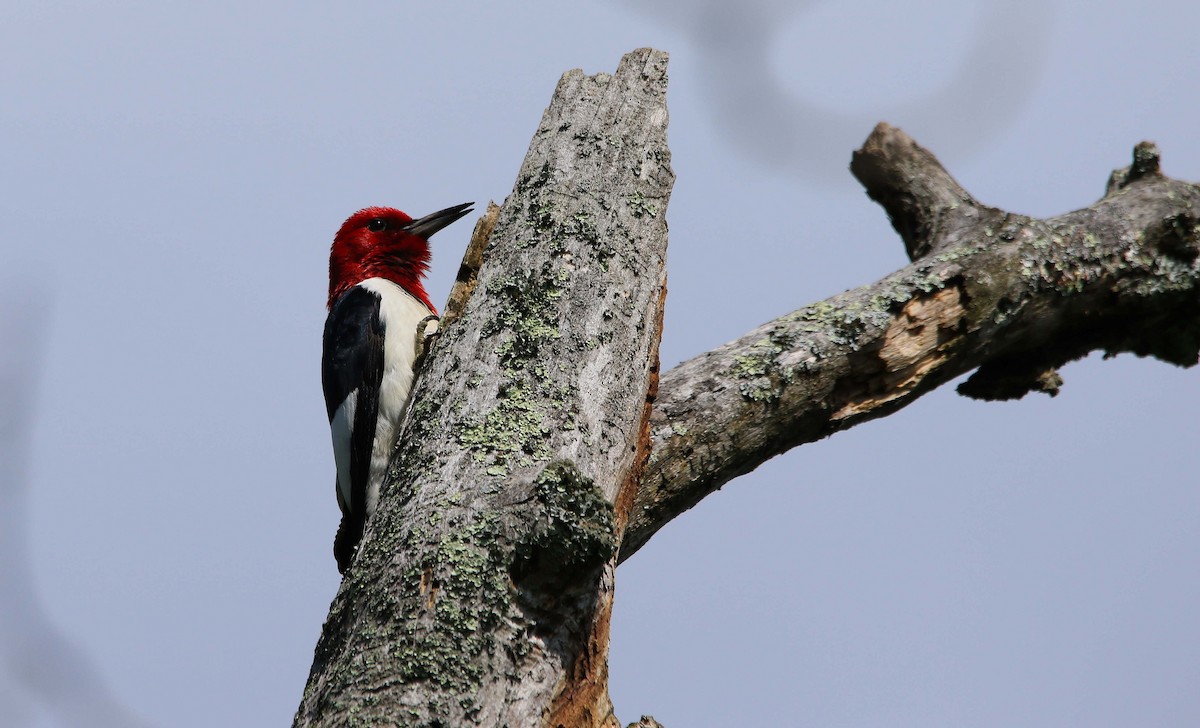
column 378, row 314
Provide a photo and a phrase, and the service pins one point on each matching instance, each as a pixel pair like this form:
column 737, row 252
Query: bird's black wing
column 352, row 362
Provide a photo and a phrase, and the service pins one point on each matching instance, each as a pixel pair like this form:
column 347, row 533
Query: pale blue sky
column 174, row 176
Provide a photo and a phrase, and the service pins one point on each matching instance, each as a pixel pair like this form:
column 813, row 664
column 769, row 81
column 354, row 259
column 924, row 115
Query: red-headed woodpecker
column 378, row 312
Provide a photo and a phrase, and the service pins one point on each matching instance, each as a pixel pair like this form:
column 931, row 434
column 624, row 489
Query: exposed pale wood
column 468, row 270
column 1014, row 296
column 481, row 591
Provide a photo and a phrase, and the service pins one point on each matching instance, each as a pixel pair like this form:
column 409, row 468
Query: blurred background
column 173, row 174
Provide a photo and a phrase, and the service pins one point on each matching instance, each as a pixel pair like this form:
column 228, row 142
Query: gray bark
column 481, row 591
column 1012, row 296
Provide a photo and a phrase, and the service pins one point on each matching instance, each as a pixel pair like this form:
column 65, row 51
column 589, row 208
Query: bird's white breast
column 400, row 314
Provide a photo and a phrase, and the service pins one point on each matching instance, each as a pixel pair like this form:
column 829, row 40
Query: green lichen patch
column 753, row 369
column 573, row 530
column 582, row 228
column 845, row 321
column 965, row 250
column 1067, row 259
column 756, row 363
column 523, row 321
column 762, row 378
column 640, row 206
column 549, row 226
column 829, row 326
column 462, row 583
column 514, row 432
column 525, row 316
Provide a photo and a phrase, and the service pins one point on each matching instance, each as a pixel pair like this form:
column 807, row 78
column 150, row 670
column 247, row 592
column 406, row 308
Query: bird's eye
column 376, row 225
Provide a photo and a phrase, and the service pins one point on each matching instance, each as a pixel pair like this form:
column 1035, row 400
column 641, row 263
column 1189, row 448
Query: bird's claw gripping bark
column 427, row 331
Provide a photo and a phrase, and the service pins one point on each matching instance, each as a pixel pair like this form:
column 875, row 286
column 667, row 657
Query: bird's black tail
column 349, row 533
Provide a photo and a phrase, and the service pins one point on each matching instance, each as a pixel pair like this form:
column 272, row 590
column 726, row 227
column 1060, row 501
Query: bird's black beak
column 431, row 223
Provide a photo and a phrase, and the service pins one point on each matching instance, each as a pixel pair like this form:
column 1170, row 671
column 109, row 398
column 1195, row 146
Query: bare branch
column 1014, row 296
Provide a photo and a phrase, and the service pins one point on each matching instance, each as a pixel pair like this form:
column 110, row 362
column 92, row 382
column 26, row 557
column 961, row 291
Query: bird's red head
column 382, row 242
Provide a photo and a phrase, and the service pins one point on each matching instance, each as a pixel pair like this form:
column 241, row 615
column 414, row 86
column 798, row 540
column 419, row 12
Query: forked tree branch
column 1012, row 296
column 481, row 591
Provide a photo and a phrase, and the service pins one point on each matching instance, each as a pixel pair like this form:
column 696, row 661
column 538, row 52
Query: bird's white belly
column 400, row 313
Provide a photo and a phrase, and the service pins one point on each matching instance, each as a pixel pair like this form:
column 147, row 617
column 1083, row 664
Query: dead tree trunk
column 483, row 586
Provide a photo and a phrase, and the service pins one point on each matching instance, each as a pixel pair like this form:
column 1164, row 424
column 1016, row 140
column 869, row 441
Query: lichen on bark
column 478, row 595
column 1009, row 296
